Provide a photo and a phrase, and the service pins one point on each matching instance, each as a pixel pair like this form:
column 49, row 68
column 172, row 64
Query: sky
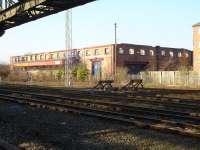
column 151, row 22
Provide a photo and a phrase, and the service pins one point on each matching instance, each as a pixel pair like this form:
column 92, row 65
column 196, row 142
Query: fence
column 170, row 78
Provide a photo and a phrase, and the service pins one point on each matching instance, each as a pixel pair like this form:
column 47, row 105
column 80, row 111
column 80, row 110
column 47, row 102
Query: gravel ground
column 38, row 129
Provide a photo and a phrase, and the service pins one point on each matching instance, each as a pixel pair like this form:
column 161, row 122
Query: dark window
column 107, row 51
column 87, row 53
column 96, row 52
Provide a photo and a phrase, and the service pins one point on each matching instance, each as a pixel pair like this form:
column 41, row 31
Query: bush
column 60, row 74
column 80, row 72
column 17, row 76
column 121, row 75
column 41, row 76
column 74, row 72
column 4, row 71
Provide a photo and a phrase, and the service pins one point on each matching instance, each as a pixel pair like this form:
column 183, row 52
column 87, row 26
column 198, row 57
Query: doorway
column 96, row 69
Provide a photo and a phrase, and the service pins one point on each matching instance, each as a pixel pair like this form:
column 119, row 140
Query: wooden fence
column 170, row 78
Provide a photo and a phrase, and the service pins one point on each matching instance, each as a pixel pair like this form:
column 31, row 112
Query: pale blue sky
column 152, row 22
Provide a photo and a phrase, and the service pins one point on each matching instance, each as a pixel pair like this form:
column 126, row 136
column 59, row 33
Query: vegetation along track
column 172, row 121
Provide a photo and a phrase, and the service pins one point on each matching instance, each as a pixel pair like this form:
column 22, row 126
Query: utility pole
column 68, row 48
column 115, row 51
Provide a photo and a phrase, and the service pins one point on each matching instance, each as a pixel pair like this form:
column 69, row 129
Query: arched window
column 163, row 53
column 151, row 53
column 171, row 54
column 179, row 54
column 131, row 51
column 121, row 51
column 142, row 52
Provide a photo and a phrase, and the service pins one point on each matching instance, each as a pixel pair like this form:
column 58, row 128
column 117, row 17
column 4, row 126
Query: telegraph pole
column 68, row 47
column 115, row 51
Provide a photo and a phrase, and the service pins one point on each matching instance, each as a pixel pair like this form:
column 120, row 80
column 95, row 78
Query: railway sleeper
column 61, row 110
column 43, row 106
column 59, row 100
column 176, row 130
column 38, row 105
column 197, row 115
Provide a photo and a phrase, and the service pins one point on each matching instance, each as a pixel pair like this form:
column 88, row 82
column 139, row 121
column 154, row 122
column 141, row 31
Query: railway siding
column 160, row 119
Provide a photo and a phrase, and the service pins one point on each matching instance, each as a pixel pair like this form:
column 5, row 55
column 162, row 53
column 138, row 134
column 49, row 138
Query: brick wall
column 196, row 47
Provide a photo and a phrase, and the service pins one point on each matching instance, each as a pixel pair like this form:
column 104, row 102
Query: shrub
column 17, row 76
column 184, row 64
column 121, row 75
column 4, row 71
column 74, row 72
column 60, row 74
column 80, row 72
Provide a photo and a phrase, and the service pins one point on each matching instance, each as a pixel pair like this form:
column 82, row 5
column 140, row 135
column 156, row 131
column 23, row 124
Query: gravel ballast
column 39, row 129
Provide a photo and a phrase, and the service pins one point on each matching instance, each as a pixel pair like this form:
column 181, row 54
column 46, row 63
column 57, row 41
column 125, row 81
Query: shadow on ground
column 41, row 129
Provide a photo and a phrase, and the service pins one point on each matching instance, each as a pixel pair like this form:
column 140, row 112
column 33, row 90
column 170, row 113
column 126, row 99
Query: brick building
column 142, row 57
column 100, row 60
column 196, row 46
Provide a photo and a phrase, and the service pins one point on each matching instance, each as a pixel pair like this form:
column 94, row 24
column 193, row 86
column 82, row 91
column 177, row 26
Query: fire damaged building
column 141, row 57
column 105, row 59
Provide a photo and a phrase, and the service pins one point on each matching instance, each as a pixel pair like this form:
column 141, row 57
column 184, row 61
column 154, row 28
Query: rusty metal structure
column 16, row 12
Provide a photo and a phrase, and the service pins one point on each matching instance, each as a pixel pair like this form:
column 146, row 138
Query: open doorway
column 135, row 68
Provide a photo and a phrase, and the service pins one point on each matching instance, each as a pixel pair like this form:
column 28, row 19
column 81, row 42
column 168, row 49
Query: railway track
column 169, row 103
column 101, row 94
column 191, row 107
column 149, row 93
column 159, row 119
column 190, row 117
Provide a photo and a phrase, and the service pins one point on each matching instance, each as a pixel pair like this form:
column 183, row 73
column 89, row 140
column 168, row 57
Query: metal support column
column 68, row 48
column 115, row 51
